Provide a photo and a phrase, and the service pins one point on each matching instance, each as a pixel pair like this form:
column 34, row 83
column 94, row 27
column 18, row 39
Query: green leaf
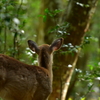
column 83, row 98
column 69, row 98
column 46, row 10
column 44, row 18
column 91, row 67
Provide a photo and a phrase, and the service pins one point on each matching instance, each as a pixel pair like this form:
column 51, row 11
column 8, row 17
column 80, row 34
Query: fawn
column 20, row 81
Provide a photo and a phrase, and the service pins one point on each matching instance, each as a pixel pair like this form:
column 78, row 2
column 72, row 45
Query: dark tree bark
column 50, row 22
column 78, row 15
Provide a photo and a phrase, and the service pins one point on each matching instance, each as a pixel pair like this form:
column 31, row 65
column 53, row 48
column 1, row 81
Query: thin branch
column 68, row 79
column 5, row 30
column 5, row 38
column 19, row 8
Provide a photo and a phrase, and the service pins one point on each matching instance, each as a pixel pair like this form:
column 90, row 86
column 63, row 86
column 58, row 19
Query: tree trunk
column 78, row 15
column 50, row 21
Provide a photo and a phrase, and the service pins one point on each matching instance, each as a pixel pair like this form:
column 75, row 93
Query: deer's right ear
column 56, row 44
column 33, row 46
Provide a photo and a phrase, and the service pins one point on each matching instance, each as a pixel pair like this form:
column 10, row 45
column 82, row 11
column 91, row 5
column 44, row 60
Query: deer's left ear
column 56, row 44
column 33, row 46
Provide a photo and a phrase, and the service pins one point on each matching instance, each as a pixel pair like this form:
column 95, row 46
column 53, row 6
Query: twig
column 68, row 79
column 19, row 8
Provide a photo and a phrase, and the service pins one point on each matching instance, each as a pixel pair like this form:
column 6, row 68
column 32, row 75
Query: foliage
column 52, row 14
column 11, row 26
column 13, row 19
column 90, row 76
column 18, row 23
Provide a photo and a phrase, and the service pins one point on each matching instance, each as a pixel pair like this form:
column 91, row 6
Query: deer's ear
column 33, row 46
column 56, row 44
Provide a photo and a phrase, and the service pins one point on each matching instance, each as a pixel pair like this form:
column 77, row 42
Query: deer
column 20, row 81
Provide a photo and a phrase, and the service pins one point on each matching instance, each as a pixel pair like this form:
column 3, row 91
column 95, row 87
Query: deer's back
column 19, row 81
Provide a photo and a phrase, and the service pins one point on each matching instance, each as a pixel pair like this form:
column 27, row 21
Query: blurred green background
column 39, row 20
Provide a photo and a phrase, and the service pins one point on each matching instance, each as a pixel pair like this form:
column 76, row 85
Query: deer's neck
column 46, row 62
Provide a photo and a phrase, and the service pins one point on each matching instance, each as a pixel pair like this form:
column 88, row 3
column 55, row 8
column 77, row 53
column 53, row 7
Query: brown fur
column 19, row 81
